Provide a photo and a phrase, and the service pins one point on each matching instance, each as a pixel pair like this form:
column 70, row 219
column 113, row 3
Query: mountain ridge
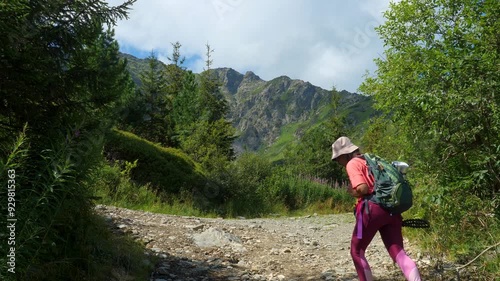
column 259, row 109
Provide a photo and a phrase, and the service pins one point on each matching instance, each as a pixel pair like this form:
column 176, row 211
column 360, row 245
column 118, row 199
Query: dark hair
column 353, row 154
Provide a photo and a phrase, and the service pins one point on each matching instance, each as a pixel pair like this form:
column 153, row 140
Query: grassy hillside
column 356, row 114
column 168, row 170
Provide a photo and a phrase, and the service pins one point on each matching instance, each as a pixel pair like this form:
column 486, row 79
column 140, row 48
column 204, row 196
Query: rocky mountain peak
column 250, row 76
column 230, row 79
column 260, row 109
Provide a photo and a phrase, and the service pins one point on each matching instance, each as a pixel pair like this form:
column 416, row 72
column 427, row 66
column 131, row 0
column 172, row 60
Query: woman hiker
column 374, row 219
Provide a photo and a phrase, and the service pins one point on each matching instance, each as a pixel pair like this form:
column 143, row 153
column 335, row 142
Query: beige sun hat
column 342, row 145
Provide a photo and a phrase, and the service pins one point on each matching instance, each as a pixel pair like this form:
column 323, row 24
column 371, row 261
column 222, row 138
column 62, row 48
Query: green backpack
column 391, row 189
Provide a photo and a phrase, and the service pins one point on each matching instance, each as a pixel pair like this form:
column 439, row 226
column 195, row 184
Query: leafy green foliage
column 384, row 139
column 215, row 106
column 438, row 82
column 234, row 187
column 251, row 186
column 174, row 74
column 439, row 78
column 207, row 137
column 180, row 111
column 152, row 113
column 113, row 185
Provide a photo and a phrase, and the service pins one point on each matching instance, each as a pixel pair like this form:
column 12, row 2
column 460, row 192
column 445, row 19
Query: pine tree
column 186, row 106
column 52, row 54
column 175, row 75
column 209, row 138
column 215, row 104
column 154, row 122
column 62, row 79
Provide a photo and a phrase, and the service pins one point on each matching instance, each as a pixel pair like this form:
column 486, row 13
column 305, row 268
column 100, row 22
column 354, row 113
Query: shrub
column 113, row 187
column 247, row 175
column 462, row 225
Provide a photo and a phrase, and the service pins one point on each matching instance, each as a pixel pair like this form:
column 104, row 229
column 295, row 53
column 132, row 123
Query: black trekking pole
column 416, row 223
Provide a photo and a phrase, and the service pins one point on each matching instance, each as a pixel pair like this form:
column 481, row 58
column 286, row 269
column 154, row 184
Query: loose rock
column 314, row 247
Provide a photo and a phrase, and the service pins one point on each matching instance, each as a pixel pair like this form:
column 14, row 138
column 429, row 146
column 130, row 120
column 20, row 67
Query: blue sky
column 326, row 42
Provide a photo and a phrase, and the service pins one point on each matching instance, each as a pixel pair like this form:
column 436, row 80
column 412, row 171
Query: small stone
column 163, row 270
column 195, row 227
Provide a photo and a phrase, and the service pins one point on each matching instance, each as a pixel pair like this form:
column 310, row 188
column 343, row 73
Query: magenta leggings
column 389, row 227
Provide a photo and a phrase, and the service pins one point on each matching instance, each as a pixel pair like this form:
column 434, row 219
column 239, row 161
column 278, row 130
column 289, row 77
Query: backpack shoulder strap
column 371, row 163
column 370, row 166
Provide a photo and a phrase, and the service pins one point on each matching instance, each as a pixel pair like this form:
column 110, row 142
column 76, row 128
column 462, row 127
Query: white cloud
column 325, row 42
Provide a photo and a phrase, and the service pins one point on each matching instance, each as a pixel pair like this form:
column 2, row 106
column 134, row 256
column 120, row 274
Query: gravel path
column 282, row 248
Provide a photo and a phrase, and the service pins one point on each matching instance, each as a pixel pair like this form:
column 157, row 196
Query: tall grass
column 113, row 185
column 298, row 192
column 13, row 159
column 58, row 236
column 249, row 187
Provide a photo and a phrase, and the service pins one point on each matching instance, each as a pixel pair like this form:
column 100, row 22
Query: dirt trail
column 282, row 248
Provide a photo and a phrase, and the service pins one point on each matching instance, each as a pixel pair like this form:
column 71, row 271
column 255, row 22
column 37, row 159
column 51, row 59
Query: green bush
column 113, row 187
column 168, row 170
column 248, row 174
column 462, row 225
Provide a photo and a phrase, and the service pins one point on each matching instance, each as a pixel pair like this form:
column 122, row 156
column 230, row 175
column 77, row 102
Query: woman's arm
column 360, row 190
